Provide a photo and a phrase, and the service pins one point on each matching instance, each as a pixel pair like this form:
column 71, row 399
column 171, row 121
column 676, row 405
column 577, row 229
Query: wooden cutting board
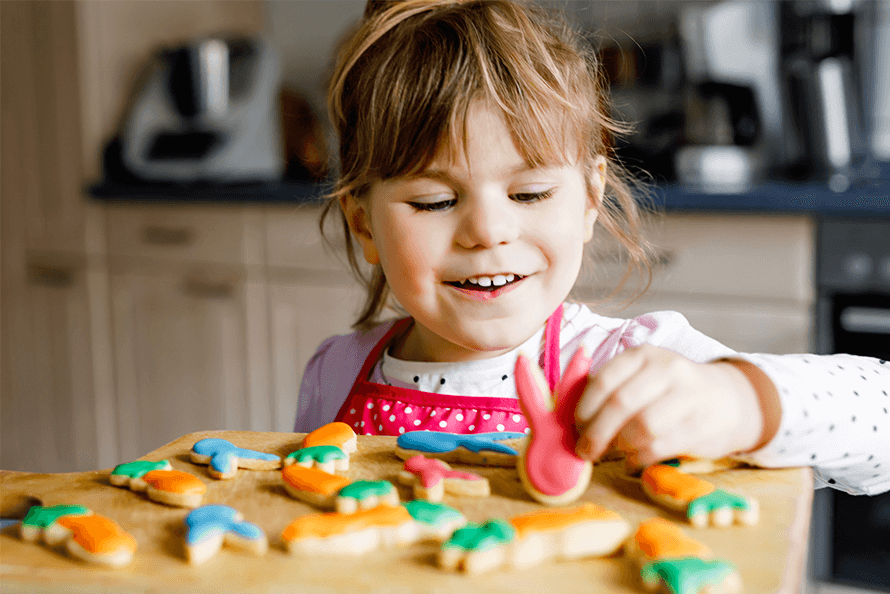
column 769, row 556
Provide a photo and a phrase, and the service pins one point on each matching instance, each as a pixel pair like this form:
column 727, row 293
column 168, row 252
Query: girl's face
column 479, row 250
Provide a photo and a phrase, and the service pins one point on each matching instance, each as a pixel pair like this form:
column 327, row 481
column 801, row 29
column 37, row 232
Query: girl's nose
column 488, row 221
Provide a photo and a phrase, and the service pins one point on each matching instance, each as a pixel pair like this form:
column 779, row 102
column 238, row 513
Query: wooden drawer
column 221, row 234
column 295, row 241
column 735, row 255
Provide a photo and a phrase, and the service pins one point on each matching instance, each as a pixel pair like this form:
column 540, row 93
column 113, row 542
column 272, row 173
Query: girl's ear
column 596, row 197
column 359, row 225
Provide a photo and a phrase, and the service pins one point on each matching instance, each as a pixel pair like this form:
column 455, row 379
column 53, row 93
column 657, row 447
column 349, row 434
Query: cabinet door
column 57, row 412
column 303, row 315
column 183, row 356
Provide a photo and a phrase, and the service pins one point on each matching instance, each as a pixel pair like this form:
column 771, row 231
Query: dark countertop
column 865, row 197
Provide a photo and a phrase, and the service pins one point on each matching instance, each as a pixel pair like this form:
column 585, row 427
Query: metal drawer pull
column 49, row 275
column 868, row 320
column 170, row 236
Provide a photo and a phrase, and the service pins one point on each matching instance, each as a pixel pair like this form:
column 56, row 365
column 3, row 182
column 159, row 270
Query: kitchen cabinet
column 743, row 279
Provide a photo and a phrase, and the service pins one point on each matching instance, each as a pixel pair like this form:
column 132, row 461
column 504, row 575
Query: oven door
column 850, row 544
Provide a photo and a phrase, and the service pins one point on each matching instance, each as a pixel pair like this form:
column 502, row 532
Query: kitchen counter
column 769, row 556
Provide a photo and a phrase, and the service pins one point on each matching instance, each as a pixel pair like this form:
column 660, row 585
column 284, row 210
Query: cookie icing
column 431, row 471
column 224, row 455
column 330, row 524
column 551, row 465
column 716, row 499
column 364, row 489
column 138, row 468
column 668, row 480
column 318, row 453
column 687, row 575
column 174, row 481
column 335, row 434
column 214, row 520
column 659, row 539
column 42, row 517
column 559, row 519
column 479, row 537
column 437, row 442
column 313, row 480
column 432, row 514
column 98, row 534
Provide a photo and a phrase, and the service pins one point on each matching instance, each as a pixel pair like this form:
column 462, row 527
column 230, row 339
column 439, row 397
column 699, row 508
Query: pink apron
column 377, row 409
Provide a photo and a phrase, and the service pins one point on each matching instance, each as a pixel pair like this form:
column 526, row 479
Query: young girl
column 473, row 153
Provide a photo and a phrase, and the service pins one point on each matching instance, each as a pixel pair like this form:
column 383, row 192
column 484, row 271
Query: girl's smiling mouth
column 487, row 287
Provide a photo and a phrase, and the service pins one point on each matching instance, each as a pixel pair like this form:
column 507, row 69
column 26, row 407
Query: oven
column 850, row 540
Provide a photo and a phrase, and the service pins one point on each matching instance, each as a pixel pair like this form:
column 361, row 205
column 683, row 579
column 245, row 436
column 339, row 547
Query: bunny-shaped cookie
column 550, row 471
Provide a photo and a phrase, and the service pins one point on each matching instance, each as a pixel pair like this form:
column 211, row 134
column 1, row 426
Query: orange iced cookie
column 312, row 485
column 335, row 434
column 172, row 487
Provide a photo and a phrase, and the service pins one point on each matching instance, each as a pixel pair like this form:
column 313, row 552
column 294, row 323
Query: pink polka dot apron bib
column 378, row 409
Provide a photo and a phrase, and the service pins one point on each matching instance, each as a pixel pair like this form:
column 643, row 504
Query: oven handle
column 871, row 320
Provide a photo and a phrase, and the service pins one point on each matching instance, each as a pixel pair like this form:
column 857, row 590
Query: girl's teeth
column 483, row 281
column 499, row 280
column 510, row 278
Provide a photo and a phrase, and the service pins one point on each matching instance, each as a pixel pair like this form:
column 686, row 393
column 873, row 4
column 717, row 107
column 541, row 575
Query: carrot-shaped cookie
column 530, row 539
column 351, row 534
column 432, row 478
column 482, row 449
column 548, row 467
column 211, row 526
column 700, row 501
column 371, row 529
column 328, row 458
column 312, row 485
column 160, row 483
column 223, row 458
column 335, row 434
column 123, row 474
column 87, row 536
column 366, row 495
column 677, row 564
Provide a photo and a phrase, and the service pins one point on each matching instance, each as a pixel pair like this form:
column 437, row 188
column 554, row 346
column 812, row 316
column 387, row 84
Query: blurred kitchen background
column 162, row 269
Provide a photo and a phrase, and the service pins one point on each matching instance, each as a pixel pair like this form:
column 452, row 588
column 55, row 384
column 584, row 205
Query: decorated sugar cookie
column 335, row 434
column 677, row 564
column 548, row 467
column 223, row 458
column 328, row 458
column 366, row 495
column 312, row 485
column 482, row 449
column 530, row 539
column 432, row 478
column 437, row 521
column 86, row 535
column 160, row 482
column 700, row 501
column 211, row 526
column 351, row 534
column 122, row 474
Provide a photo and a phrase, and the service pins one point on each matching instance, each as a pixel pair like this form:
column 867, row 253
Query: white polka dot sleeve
column 835, row 418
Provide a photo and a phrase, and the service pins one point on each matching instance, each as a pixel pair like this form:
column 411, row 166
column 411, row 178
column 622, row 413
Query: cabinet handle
column 51, row 275
column 204, row 289
column 867, row 320
column 169, row 236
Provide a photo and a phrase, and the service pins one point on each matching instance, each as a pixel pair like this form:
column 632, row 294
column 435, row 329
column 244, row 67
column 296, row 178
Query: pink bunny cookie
column 548, row 467
column 432, row 478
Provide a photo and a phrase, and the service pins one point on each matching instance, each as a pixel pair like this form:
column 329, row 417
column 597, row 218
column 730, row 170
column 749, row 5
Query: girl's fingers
column 620, row 407
column 603, row 383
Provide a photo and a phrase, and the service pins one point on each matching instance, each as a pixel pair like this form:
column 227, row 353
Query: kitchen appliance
column 207, row 112
column 850, row 535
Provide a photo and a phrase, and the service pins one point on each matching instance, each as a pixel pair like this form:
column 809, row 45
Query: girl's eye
column 433, row 206
column 533, row 196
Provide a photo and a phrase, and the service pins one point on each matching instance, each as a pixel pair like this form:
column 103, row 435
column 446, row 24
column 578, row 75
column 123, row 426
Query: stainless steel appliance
column 207, row 112
column 850, row 541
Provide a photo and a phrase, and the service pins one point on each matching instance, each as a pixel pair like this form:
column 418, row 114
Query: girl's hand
column 656, row 404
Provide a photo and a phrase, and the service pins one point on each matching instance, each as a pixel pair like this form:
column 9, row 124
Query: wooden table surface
column 769, row 556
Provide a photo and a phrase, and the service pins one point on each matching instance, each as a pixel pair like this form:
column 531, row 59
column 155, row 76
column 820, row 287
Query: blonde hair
column 405, row 79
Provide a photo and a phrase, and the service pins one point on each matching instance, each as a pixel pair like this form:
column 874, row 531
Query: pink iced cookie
column 550, row 471
column 432, row 478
